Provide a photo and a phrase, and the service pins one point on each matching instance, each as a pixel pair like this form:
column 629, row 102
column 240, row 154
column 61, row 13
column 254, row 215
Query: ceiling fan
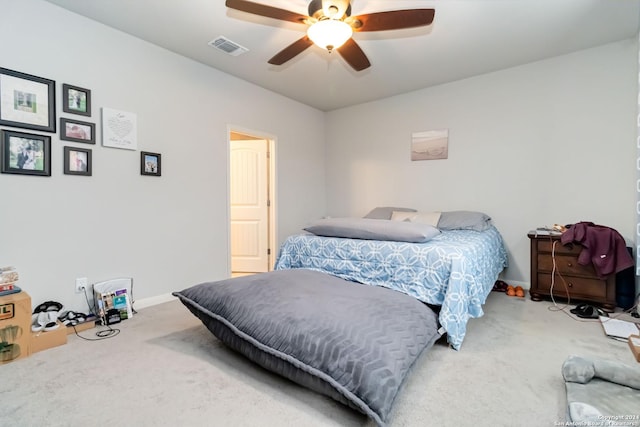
column 331, row 26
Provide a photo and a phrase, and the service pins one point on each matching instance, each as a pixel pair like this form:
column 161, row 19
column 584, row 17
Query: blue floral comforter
column 455, row 270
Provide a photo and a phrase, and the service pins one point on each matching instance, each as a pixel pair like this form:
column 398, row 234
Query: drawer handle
column 569, row 264
column 570, row 285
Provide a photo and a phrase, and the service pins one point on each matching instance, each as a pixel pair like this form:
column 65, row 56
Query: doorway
column 251, row 203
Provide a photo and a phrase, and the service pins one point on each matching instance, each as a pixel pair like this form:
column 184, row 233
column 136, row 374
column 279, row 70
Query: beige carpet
column 166, row 369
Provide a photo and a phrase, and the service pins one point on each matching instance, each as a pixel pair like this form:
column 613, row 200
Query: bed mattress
column 455, row 270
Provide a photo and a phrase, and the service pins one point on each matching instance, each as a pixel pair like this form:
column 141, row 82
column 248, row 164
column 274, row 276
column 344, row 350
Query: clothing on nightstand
column 602, row 246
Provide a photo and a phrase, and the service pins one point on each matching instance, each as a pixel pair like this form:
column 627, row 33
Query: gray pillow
column 373, row 229
column 386, row 212
column 464, row 220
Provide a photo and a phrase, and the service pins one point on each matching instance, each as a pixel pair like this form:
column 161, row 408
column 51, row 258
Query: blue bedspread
column 455, row 270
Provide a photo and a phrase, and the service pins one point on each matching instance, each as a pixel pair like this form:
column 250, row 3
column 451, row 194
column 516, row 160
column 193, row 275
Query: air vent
column 227, row 46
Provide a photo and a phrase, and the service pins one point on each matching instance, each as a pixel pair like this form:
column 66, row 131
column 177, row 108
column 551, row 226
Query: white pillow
column 402, row 216
column 430, row 218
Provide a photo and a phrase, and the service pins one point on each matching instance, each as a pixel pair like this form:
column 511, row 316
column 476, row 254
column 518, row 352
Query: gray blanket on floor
column 599, row 391
column 355, row 343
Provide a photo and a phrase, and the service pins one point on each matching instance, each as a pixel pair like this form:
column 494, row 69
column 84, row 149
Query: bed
column 317, row 321
column 454, row 269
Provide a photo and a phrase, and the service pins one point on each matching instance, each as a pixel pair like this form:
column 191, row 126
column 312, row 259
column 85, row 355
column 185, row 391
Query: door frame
column 271, row 189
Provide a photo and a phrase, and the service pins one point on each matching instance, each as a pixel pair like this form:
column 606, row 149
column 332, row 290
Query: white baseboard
column 161, row 299
column 151, row 301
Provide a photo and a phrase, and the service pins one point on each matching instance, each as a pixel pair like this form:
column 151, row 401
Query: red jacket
column 602, row 246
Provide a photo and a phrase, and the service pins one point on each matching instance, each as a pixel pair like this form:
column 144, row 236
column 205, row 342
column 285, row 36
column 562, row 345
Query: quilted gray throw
column 355, row 343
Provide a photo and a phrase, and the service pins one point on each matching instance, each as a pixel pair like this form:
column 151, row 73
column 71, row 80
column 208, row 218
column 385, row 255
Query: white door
column 249, row 183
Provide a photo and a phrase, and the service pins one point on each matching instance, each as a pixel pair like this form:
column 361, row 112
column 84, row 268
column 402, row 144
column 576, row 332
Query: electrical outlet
column 81, row 284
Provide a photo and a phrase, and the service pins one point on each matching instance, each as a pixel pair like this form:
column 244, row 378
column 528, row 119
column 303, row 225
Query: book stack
column 8, row 279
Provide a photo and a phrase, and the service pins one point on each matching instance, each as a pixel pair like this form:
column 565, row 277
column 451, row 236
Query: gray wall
column 549, row 142
column 169, row 232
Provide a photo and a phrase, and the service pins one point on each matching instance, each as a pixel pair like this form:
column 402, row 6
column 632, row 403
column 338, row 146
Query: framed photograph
column 27, row 101
column 25, row 153
column 77, row 161
column 74, row 130
column 150, row 163
column 76, row 100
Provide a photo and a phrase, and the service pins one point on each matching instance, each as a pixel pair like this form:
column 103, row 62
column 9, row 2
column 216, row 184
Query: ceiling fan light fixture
column 330, row 33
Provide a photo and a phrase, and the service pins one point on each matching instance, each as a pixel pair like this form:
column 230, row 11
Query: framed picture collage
column 28, row 102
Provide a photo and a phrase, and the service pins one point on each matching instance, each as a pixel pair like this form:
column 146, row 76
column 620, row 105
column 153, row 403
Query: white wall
column 549, row 142
column 552, row 141
column 167, row 233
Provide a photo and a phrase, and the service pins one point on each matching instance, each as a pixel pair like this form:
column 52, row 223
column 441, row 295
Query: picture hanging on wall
column 77, row 161
column 119, row 129
column 150, row 163
column 25, row 153
column 430, row 145
column 77, row 131
column 76, row 100
column 27, row 101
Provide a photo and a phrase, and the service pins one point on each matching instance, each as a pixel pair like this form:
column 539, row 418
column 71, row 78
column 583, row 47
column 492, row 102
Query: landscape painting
column 430, row 145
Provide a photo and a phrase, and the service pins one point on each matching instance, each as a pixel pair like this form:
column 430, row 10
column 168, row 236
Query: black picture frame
column 27, row 101
column 76, row 100
column 150, row 163
column 25, row 153
column 77, row 161
column 77, row 131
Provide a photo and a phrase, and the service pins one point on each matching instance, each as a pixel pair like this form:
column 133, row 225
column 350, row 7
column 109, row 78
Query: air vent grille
column 227, row 46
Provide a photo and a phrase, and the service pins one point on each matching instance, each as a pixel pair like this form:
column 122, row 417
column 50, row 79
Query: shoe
column 500, row 286
column 52, row 324
column 72, row 318
column 48, row 306
column 588, row 311
column 38, row 321
column 519, row 291
column 511, row 291
column 45, row 316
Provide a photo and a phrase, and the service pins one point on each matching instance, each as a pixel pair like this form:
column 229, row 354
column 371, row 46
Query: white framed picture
column 430, row 145
column 119, row 129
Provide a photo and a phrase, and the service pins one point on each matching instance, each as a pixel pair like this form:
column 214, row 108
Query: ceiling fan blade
column 392, row 20
column 353, row 54
column 290, row 51
column 264, row 10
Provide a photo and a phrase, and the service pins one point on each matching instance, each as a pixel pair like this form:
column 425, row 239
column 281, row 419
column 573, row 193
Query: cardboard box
column 89, row 324
column 634, row 344
column 15, row 327
column 44, row 340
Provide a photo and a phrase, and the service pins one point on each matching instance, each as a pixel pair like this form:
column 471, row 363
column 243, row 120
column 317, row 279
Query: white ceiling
column 467, row 38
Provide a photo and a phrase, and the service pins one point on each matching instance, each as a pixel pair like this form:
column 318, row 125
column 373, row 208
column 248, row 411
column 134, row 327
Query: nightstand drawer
column 577, row 286
column 566, row 265
column 547, row 246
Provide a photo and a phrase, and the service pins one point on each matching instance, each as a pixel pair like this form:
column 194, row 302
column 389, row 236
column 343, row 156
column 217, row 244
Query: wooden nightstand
column 582, row 282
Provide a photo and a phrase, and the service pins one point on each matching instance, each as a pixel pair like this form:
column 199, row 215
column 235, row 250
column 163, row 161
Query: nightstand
column 582, row 282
